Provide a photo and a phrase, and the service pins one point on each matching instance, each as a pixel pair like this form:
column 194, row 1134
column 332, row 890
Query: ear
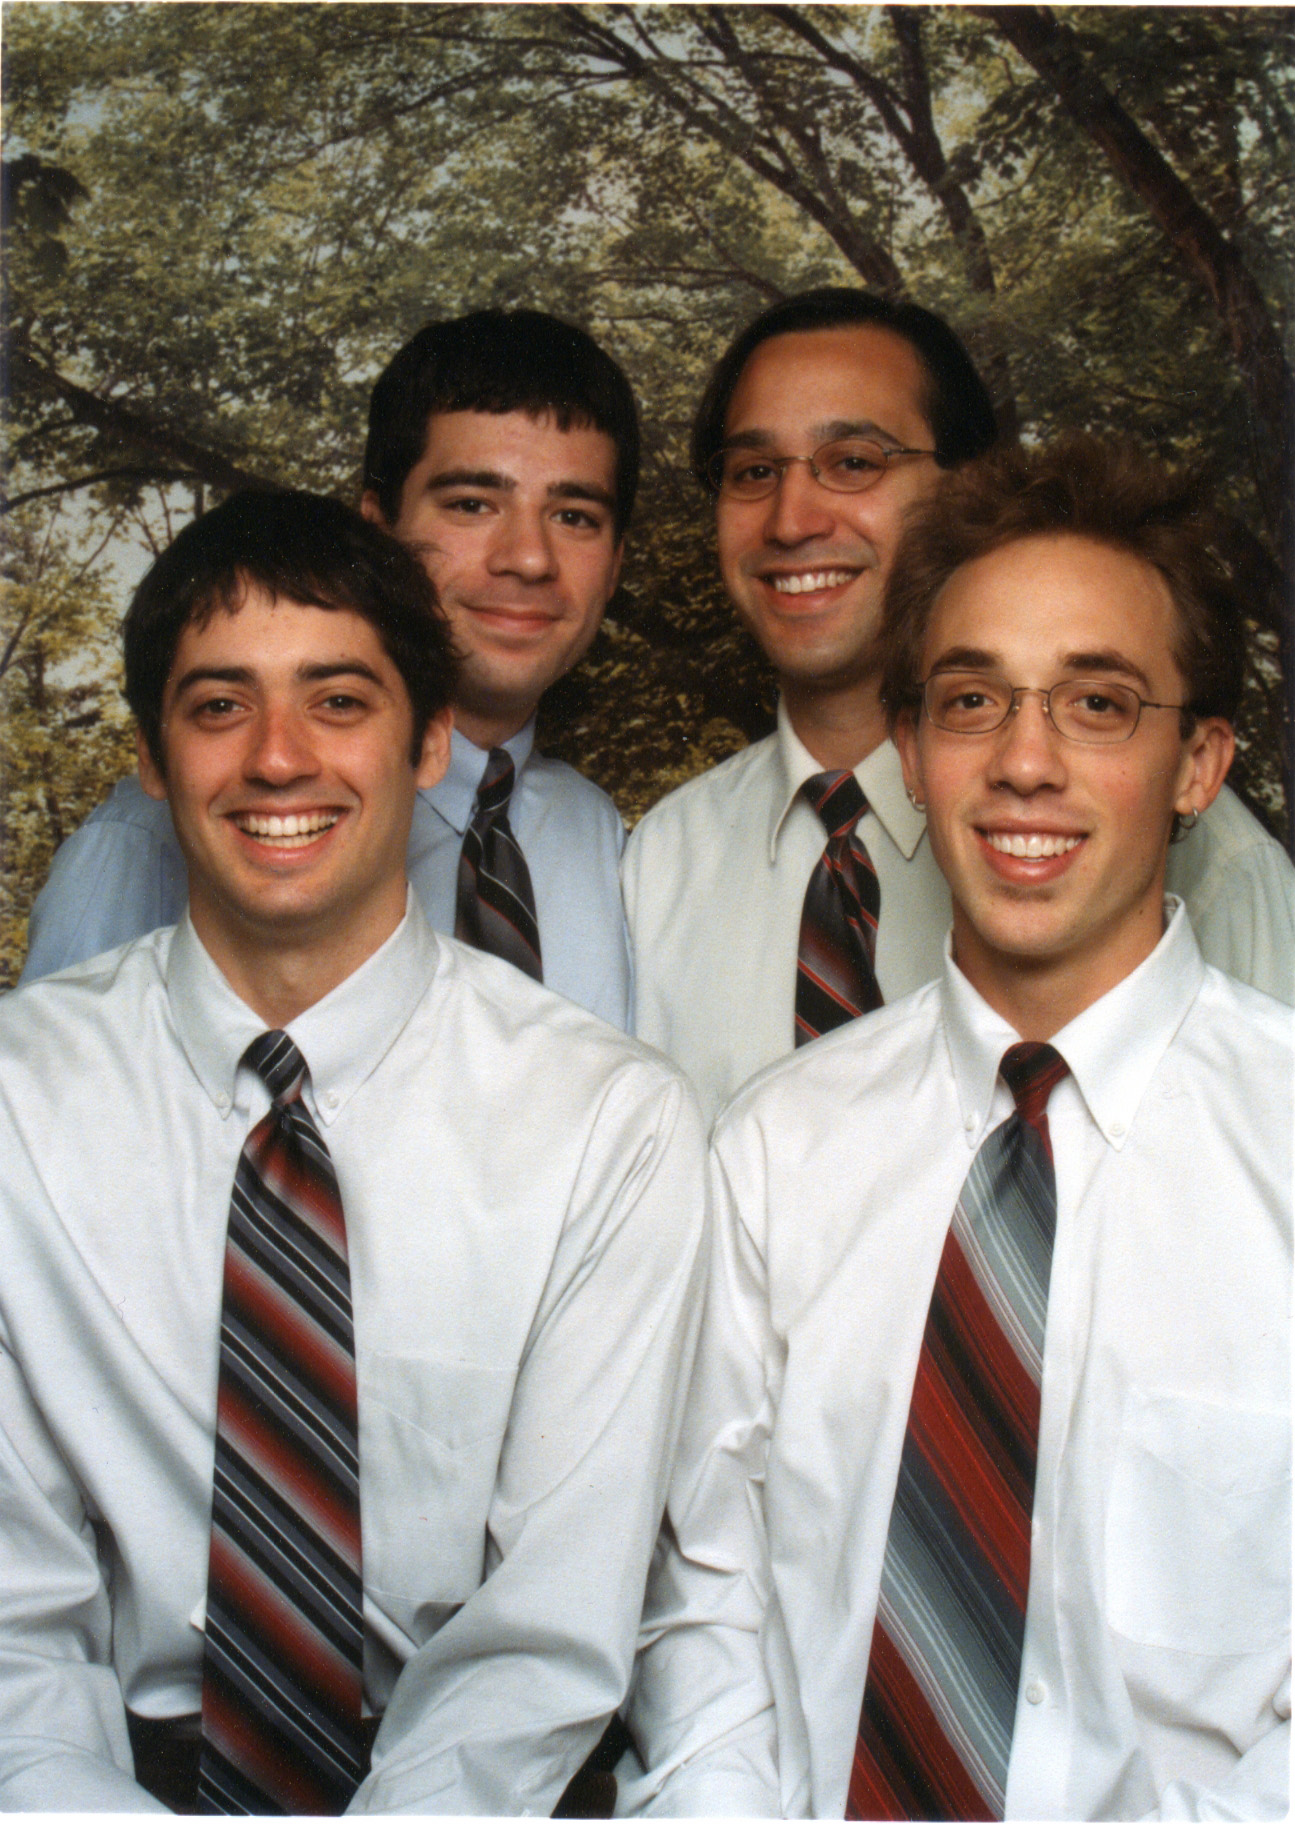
column 435, row 757
column 905, row 739
column 372, row 511
column 1207, row 755
column 150, row 774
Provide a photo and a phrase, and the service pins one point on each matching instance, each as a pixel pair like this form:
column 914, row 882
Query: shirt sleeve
column 110, row 882
column 497, row 1711
column 63, row 1740
column 701, row 1711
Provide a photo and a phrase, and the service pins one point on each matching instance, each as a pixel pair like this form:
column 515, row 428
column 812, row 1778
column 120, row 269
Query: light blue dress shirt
column 122, row 874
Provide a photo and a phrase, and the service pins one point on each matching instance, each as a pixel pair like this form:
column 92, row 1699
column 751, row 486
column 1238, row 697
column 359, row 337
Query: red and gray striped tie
column 495, row 908
column 835, row 977
column 283, row 1665
column 939, row 1705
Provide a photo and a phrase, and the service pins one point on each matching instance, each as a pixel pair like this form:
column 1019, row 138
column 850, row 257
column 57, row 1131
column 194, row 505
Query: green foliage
column 220, row 221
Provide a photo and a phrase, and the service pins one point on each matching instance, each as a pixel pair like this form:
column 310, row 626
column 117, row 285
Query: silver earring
column 918, row 804
column 1186, row 822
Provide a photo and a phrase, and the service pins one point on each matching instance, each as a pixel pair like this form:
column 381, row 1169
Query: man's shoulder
column 1227, row 837
column 860, row 1071
column 539, row 1037
column 719, row 792
column 72, row 1020
column 1242, row 1024
column 128, row 806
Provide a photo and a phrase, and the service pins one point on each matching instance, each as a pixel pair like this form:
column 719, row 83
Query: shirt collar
column 343, row 1037
column 1112, row 1047
column 880, row 776
column 456, row 793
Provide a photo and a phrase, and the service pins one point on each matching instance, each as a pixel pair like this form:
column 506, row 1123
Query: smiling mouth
column 291, row 832
column 804, row 582
column 1033, row 847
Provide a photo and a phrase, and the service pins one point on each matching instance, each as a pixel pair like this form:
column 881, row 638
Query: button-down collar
column 880, row 778
column 1112, row 1047
column 343, row 1037
column 456, row 793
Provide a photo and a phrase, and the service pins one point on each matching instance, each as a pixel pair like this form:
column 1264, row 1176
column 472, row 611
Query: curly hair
column 1102, row 489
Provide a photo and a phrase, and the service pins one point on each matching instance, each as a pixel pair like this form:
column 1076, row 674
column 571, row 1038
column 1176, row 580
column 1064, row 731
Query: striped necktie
column 282, row 1669
column 495, row 909
column 939, row 1705
column 835, row 977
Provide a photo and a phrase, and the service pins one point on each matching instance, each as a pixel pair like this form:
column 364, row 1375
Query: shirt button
column 1117, row 1130
column 330, row 1100
column 222, row 1103
column 1035, row 1691
column 970, row 1124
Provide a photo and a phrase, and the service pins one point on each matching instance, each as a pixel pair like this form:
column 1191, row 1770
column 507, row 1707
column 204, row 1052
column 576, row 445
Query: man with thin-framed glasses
column 793, row 887
column 982, row 1507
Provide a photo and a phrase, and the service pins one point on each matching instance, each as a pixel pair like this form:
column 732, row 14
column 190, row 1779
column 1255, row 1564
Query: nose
column 280, row 752
column 1030, row 754
column 799, row 508
column 523, row 546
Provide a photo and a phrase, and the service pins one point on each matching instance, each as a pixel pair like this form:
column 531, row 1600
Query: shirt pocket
column 430, row 1436
column 1198, row 1526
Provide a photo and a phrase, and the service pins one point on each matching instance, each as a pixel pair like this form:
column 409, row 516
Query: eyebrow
column 495, row 481
column 829, row 432
column 1101, row 663
column 305, row 674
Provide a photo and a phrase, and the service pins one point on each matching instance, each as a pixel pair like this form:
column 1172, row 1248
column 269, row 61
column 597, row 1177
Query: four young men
column 978, row 1518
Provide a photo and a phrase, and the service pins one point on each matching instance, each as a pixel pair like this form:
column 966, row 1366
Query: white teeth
column 1032, row 848
column 810, row 579
column 290, row 831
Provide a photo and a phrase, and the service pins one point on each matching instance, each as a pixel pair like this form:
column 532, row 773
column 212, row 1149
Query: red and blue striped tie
column 283, row 1665
column 939, row 1705
column 835, row 977
column 495, row 905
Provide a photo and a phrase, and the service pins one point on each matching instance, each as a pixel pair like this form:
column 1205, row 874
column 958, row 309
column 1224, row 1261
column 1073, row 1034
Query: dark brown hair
column 1086, row 487
column 297, row 547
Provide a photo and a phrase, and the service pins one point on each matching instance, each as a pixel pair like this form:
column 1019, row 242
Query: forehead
column 522, row 448
column 817, row 379
column 1041, row 600
column 265, row 636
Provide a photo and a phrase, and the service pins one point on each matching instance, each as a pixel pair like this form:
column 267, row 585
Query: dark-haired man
column 503, row 449
column 792, row 887
column 349, row 1275
column 982, row 1504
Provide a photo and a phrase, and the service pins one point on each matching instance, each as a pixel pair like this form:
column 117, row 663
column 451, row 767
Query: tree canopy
column 220, row 222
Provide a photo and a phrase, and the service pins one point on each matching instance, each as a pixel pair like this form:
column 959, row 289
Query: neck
column 1039, row 996
column 281, row 974
column 491, row 728
column 840, row 725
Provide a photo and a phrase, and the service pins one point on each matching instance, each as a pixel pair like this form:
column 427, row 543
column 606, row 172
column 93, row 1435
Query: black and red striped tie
column 495, row 905
column 835, row 976
column 283, row 1664
column 939, row 1705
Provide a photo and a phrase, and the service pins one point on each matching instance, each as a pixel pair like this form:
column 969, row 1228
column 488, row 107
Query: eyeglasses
column 848, row 465
column 1092, row 710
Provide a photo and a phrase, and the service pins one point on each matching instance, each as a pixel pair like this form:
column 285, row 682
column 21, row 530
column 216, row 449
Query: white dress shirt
column 1155, row 1673
column 122, row 874
column 715, row 877
column 524, row 1198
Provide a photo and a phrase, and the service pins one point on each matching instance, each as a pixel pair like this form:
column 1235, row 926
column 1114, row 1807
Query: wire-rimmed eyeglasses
column 847, row 465
column 1095, row 711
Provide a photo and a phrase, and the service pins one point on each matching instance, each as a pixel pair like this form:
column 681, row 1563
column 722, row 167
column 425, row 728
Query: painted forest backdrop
column 220, row 221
